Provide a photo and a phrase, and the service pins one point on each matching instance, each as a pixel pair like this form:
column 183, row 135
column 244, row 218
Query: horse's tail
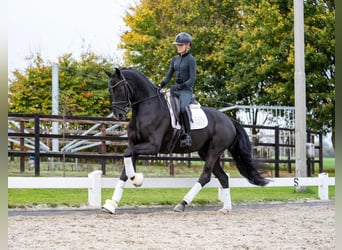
column 241, row 151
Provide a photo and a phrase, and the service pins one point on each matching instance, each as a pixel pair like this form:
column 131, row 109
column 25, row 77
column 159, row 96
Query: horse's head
column 119, row 90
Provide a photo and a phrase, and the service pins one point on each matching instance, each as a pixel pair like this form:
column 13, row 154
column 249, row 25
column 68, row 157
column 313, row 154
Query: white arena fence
column 94, row 183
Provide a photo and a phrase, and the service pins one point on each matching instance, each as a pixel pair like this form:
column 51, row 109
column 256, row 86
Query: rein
column 145, row 99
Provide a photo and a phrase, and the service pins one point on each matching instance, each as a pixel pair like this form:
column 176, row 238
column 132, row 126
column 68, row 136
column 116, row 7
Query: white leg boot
column 192, row 193
column 188, row 197
column 138, row 178
column 226, row 199
column 111, row 205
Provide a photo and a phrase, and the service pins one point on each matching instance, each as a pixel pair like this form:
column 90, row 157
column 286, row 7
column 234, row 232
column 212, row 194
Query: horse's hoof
column 179, row 208
column 109, row 207
column 223, row 211
column 138, row 179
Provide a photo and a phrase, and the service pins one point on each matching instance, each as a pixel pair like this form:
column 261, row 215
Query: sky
column 56, row 27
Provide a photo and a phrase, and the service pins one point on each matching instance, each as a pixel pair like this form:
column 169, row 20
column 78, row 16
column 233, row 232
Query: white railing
column 95, row 182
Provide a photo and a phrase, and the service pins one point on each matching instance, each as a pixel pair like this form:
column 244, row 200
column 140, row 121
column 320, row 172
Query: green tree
column 154, row 25
column 320, row 65
column 29, row 91
column 244, row 50
column 82, row 86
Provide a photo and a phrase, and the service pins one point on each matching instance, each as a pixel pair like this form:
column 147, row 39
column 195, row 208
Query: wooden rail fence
column 37, row 134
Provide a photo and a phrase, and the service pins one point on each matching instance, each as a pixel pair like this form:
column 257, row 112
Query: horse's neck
column 142, row 90
column 152, row 108
column 150, row 103
column 145, row 97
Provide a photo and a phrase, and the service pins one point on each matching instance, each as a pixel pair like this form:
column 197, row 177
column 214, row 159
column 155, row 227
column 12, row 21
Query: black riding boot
column 186, row 137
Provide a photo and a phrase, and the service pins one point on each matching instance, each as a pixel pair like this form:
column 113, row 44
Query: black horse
column 150, row 133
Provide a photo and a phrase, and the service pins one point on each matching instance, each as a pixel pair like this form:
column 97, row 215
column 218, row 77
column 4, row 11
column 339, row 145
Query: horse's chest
column 137, row 134
column 146, row 128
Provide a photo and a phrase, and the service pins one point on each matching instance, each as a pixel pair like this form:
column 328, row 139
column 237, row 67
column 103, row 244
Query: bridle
column 125, row 104
column 122, row 105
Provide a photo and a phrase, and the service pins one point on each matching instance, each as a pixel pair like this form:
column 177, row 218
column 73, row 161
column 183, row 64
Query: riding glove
column 162, row 84
column 174, row 88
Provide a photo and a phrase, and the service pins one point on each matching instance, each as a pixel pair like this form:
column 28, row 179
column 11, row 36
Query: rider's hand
column 174, row 88
column 160, row 85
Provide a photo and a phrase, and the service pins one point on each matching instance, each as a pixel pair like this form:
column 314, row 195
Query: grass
column 23, row 198
column 329, row 166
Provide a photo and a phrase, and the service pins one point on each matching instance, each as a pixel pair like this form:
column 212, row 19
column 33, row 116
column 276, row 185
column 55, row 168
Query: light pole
column 300, row 91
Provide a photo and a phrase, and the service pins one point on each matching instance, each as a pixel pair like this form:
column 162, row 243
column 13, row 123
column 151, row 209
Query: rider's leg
column 186, row 139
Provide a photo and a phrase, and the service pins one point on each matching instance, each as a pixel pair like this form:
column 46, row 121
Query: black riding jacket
column 184, row 67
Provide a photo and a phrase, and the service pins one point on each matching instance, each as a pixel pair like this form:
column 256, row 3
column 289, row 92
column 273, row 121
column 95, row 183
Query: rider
column 184, row 66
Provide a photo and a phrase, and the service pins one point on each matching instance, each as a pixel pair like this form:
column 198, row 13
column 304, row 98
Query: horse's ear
column 118, row 72
column 109, row 74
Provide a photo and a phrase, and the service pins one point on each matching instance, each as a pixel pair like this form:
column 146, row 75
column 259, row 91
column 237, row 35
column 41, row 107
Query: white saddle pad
column 199, row 118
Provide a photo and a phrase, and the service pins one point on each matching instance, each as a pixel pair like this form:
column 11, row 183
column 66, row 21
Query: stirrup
column 186, row 142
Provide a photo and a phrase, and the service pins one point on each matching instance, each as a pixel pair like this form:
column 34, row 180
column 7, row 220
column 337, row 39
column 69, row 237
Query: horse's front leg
column 128, row 172
column 130, row 168
column 111, row 204
column 130, row 157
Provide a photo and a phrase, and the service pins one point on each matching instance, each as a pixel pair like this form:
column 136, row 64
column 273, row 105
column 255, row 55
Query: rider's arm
column 168, row 75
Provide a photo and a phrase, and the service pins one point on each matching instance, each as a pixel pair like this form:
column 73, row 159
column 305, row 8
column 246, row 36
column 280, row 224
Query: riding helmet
column 183, row 38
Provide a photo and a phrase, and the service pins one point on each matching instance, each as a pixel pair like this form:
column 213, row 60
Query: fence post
column 22, row 147
column 320, row 152
column 308, row 152
column 94, row 189
column 36, row 145
column 276, row 150
column 103, row 149
column 323, row 186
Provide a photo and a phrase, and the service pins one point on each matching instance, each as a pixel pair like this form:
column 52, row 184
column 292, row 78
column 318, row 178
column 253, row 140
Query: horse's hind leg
column 203, row 180
column 224, row 190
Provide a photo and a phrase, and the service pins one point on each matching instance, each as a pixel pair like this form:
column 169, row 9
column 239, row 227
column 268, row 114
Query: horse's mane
column 140, row 75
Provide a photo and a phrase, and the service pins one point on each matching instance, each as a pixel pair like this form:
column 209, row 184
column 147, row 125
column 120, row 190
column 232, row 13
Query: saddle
column 197, row 117
column 175, row 106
